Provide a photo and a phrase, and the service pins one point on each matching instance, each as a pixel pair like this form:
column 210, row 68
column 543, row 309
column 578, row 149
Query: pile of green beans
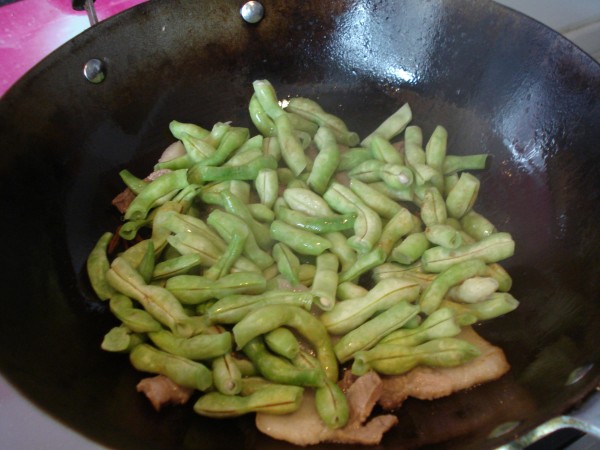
column 255, row 255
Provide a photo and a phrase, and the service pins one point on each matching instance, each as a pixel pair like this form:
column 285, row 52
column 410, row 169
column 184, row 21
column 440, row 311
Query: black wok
column 498, row 81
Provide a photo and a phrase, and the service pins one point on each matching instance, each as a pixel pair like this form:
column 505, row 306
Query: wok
column 498, row 81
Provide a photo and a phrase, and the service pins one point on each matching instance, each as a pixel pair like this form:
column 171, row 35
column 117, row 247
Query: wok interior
column 498, row 82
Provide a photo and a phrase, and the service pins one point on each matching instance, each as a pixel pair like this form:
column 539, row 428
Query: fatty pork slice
column 427, row 383
column 161, row 391
column 305, row 427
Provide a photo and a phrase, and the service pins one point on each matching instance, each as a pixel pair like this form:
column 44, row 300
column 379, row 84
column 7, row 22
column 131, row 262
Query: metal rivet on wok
column 252, row 11
column 94, row 71
column 577, row 374
column 503, row 428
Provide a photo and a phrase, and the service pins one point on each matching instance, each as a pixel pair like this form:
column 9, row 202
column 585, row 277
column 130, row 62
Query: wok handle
column 586, row 419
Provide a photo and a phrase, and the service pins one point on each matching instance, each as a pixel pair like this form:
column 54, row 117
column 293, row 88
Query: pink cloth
column 31, row 29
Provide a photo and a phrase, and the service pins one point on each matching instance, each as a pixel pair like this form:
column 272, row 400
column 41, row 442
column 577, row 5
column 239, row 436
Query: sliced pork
column 162, row 391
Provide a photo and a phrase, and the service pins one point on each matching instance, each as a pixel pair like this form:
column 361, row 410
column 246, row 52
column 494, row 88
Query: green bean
column 146, row 266
column 432, row 296
column 135, row 184
column 398, row 226
column 233, row 308
column 372, row 331
column 275, row 399
column 347, row 290
column 199, row 174
column 477, row 226
column 307, row 202
column 97, row 265
column 261, row 232
column 247, row 368
column 426, row 174
column 368, row 171
column 301, row 241
column 177, row 163
column 157, row 192
column 367, row 227
column 383, row 150
column 199, row 347
column 252, row 144
column 130, row 229
column 120, row 339
column 392, row 126
column 353, row 157
column 325, row 281
column 340, row 248
column 440, row 324
column 413, row 146
column 251, row 384
column 197, row 149
column 311, row 110
column 405, row 194
column 326, row 161
column 233, row 139
column 435, row 150
column 229, row 226
column 349, row 314
column 194, row 289
column 491, row 249
column 261, row 213
column 267, row 186
column 433, row 209
column 461, row 198
column 302, row 124
column 279, row 370
column 396, row 176
column 292, row 151
column 410, row 249
column 268, row 318
column 306, row 273
column 243, row 158
column 267, row 97
column 364, row 262
column 288, row 263
column 500, row 274
column 389, row 359
column 135, row 319
column 494, row 306
column 315, row 224
column 227, row 377
column 183, row 371
column 443, row 235
column 453, row 163
column 260, row 118
column 175, row 266
column 449, row 182
column 179, row 129
column 332, row 405
column 157, row 301
column 176, row 223
column 282, row 341
column 378, row 202
column 272, row 148
column 410, row 273
column 473, row 290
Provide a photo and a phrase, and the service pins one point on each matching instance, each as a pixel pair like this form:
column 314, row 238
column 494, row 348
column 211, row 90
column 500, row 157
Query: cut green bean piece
column 435, row 150
column 332, row 405
column 340, row 248
column 324, row 285
column 273, row 399
column 392, row 126
column 227, row 377
column 378, row 202
column 282, row 342
column 398, row 226
column 410, row 249
column 146, row 266
column 199, row 347
column 268, row 318
column 477, row 226
column 288, row 263
column 135, row 319
column 494, row 306
column 384, row 151
column 492, row 249
column 233, row 308
column 234, row 205
column 301, row 241
column 364, row 262
column 306, row 201
column 462, row 197
column 453, row 163
column 279, row 370
column 200, row 174
column 176, row 266
column 315, row 224
column 353, row 158
column 292, row 151
column 155, row 193
column 473, row 290
column 396, row 176
column 443, row 235
column 121, row 340
column 326, row 161
column 432, row 296
column 194, row 289
column 371, row 332
column 97, row 265
column 368, row 171
column 261, row 120
column 390, row 359
column 267, row 186
column 180, row 129
column 413, row 146
column 500, row 274
column 183, row 371
column 349, row 314
column 233, row 139
column 135, row 184
column 440, row 324
column 433, row 208
column 347, row 290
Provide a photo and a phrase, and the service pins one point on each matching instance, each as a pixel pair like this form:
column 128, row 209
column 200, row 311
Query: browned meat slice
column 304, row 427
column 124, row 198
column 427, row 383
column 161, row 391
